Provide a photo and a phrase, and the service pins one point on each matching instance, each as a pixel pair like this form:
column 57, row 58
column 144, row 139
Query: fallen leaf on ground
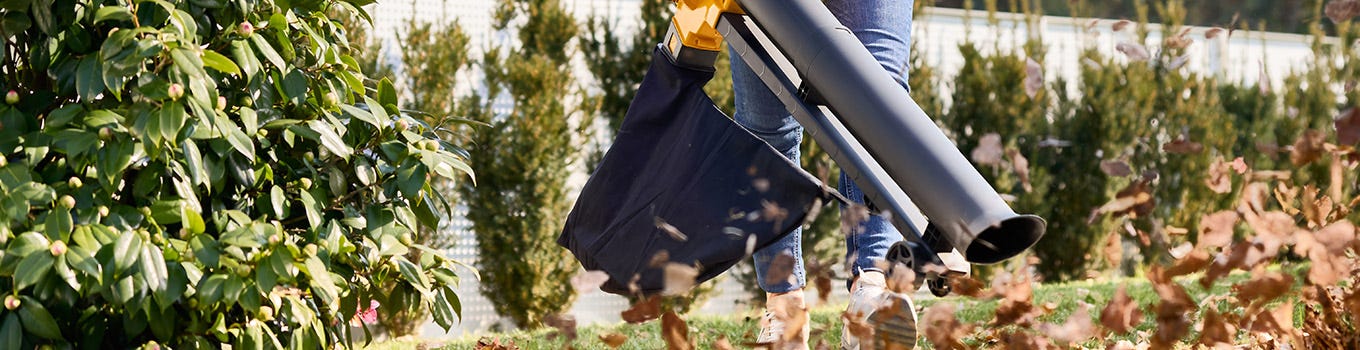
column 643, row 310
column 1348, row 126
column 613, row 340
column 494, row 344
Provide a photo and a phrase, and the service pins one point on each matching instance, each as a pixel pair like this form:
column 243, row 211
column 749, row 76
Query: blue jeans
column 884, row 27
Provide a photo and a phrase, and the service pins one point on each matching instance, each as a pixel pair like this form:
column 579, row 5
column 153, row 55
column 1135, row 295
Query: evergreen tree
column 524, row 155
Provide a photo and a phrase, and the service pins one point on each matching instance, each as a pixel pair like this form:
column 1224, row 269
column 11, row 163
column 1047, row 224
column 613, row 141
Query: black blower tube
column 895, row 131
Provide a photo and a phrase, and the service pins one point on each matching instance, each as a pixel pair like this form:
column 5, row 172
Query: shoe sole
column 895, row 330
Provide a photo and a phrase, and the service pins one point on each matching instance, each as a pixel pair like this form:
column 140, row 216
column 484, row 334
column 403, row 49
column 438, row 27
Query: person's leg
column 760, row 111
column 884, row 27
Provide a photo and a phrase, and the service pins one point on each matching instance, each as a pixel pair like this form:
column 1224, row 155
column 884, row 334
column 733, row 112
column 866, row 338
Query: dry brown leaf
column 613, row 340
column 643, row 311
column 1120, row 25
column 1077, row 328
column 1116, row 168
column 901, row 279
column 1327, row 269
column 794, row 314
column 968, row 286
column 1285, row 195
column 1034, row 77
column 1017, row 303
column 675, row 332
column 723, row 344
column 1307, row 148
column 1135, row 52
column 1020, row 165
column 1194, row 261
column 1135, row 200
column 1220, row 179
column 1268, row 148
column 1253, row 198
column 1215, row 331
column 1315, row 209
column 669, row 229
column 1348, row 127
column 1263, row 286
column 494, row 344
column 1122, row 314
column 1214, row 32
column 781, row 269
column 772, row 212
column 589, row 281
column 988, row 150
column 942, row 329
column 1174, row 298
column 1022, row 340
column 565, row 325
column 1183, row 145
column 1216, row 230
column 1113, row 250
column 1335, row 238
column 1342, row 10
column 680, row 278
column 659, row 259
column 1178, row 41
column 857, row 325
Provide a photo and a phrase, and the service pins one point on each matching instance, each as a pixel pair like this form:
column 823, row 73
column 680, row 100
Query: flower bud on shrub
column 57, row 248
column 12, row 97
column 175, row 91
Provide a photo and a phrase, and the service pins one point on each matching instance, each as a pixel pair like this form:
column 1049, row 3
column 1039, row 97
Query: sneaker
column 877, row 318
column 774, row 325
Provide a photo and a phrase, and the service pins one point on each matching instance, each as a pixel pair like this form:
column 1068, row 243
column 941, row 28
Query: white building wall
column 938, row 32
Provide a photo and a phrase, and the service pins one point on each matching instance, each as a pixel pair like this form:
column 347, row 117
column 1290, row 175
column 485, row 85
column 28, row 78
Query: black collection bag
column 683, row 178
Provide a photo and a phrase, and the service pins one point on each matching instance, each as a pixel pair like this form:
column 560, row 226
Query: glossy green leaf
column 217, row 61
column 330, row 139
column 413, row 274
column 387, row 94
column 59, row 225
column 126, row 251
column 27, row 243
column 153, row 267
column 264, row 48
column 12, row 332
column 32, row 269
column 112, row 13
column 37, row 320
column 89, row 79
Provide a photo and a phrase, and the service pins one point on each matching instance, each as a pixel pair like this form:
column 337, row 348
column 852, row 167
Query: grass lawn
column 741, row 328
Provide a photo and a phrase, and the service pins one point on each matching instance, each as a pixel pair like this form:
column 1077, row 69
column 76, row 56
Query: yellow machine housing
column 693, row 38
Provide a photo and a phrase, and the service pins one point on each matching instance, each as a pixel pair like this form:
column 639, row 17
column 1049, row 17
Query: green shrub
column 207, row 172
